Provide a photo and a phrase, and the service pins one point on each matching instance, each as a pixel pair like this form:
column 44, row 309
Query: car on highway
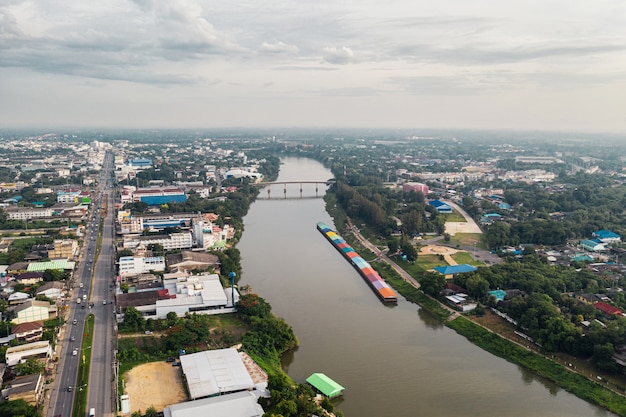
column 104, row 302
column 75, row 352
column 72, row 339
column 69, row 389
column 74, row 321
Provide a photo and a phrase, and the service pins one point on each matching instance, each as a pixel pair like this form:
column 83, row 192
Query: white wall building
column 130, row 265
column 169, row 242
column 15, row 354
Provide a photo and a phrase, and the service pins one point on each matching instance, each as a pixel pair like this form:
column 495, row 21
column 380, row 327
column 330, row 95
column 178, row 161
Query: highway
column 70, row 337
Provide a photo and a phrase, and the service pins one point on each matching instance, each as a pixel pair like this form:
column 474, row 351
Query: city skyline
column 390, row 65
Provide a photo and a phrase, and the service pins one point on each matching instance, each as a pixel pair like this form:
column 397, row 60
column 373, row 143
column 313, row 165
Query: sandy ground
column 441, row 250
column 157, row 384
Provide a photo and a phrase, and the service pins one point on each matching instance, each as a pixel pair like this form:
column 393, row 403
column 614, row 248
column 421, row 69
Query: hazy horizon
column 169, row 64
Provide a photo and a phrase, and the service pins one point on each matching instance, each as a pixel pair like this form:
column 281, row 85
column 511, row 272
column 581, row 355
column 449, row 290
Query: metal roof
column 240, row 404
column 455, row 269
column 325, row 385
column 213, row 372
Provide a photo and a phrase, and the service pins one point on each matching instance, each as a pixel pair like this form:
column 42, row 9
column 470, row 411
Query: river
column 392, row 360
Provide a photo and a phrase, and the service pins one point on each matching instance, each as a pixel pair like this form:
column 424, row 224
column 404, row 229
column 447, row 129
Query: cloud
column 342, row 55
column 9, row 28
column 279, row 47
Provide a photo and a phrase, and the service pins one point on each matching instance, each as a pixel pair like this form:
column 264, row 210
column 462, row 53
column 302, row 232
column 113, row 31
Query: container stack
column 380, row 287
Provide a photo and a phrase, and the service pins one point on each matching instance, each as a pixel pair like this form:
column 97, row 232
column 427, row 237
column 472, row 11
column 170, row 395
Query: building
column 593, row 245
column 323, row 384
column 33, row 310
column 441, row 206
column 27, row 213
column 68, row 196
column 63, row 249
column 188, row 261
column 606, row 236
column 201, row 294
column 139, row 164
column 183, row 240
column 15, row 354
column 239, row 404
column 450, row 271
column 418, row 187
column 57, row 265
column 217, row 372
column 130, row 265
column 159, row 195
column 29, row 277
column 28, row 388
column 51, row 290
column 608, row 309
column 28, row 332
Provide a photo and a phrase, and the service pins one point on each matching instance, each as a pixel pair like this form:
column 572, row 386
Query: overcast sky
column 547, row 65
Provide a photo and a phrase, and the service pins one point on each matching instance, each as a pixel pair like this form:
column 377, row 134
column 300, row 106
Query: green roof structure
column 325, row 385
column 58, row 264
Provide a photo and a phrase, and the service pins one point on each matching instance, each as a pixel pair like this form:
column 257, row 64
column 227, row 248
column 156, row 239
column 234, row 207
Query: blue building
column 441, row 206
column 157, row 200
column 607, row 236
column 140, row 163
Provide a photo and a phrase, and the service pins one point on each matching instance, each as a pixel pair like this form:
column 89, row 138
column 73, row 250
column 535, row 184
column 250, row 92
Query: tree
column 133, row 320
column 392, row 244
column 17, row 408
column 151, row 412
column 408, row 249
column 432, row 283
column 477, row 286
column 29, row 367
column 251, row 305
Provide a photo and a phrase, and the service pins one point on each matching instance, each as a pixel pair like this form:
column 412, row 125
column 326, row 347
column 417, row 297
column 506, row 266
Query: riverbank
column 489, row 340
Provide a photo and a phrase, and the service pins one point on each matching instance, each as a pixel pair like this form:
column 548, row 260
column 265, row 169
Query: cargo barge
column 379, row 285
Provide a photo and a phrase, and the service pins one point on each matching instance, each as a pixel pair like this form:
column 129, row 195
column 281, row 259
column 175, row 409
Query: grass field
column 454, row 217
column 466, row 258
column 467, row 239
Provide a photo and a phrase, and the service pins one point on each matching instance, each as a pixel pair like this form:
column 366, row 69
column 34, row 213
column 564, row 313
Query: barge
column 379, row 285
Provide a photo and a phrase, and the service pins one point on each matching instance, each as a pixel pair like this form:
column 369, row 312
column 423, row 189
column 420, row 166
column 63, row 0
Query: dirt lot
column 157, row 384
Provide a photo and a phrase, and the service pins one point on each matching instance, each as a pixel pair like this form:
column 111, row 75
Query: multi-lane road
column 92, row 284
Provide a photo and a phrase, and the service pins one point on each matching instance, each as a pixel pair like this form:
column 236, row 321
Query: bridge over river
column 285, row 183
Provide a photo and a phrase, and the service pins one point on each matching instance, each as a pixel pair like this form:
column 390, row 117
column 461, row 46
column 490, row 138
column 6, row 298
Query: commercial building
column 172, row 241
column 27, row 213
column 130, row 265
column 217, row 372
column 159, row 195
column 418, row 187
column 239, row 404
column 63, row 248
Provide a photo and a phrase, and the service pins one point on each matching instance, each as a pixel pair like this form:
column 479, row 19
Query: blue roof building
column 157, row 200
column 441, row 206
column 455, row 269
column 593, row 245
column 141, row 163
column 607, row 236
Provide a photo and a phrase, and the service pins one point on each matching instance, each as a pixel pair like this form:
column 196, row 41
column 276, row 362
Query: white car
column 104, row 302
column 74, row 352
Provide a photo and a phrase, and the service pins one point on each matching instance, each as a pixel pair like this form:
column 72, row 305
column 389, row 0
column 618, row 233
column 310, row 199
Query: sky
column 481, row 64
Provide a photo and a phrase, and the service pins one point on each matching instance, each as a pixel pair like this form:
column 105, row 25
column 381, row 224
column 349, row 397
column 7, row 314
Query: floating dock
column 379, row 285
